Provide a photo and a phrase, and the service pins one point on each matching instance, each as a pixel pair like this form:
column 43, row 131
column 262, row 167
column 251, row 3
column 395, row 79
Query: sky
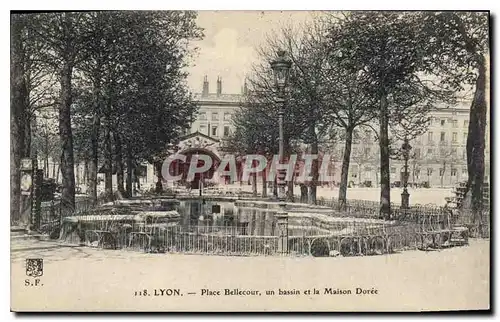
column 228, row 48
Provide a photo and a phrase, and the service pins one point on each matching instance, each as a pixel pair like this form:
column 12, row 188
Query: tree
column 460, row 41
column 117, row 73
column 305, row 122
column 65, row 37
column 98, row 53
column 416, row 163
column 46, row 139
column 153, row 106
column 41, row 83
column 134, row 90
column 254, row 130
column 350, row 103
column 390, row 49
column 363, row 155
column 448, row 159
column 411, row 120
column 309, row 57
column 18, row 94
column 255, row 127
column 30, row 92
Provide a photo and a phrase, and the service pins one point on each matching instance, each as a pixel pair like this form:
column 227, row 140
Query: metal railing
column 306, row 238
column 53, row 212
column 421, row 226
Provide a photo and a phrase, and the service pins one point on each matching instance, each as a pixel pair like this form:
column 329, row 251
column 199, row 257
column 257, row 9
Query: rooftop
column 214, row 97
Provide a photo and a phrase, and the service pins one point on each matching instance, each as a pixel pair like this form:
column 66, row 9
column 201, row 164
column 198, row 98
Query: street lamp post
column 281, row 68
column 405, row 196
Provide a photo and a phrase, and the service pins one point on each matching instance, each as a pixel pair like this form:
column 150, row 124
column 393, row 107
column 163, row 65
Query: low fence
column 52, row 213
column 479, row 226
column 123, row 233
column 421, row 226
column 345, row 238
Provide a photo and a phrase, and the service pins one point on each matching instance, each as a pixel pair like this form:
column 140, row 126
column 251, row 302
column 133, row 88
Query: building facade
column 215, row 111
column 438, row 157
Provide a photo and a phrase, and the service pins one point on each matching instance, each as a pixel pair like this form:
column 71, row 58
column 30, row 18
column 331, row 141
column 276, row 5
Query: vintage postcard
column 183, row 161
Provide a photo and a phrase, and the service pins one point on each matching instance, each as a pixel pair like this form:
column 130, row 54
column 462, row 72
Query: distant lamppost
column 405, row 196
column 281, row 69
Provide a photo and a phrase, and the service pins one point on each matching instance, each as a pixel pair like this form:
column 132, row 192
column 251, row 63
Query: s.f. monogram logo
column 34, row 267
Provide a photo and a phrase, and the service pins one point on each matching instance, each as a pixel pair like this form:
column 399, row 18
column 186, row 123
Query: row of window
column 214, row 130
column 453, row 171
column 444, row 153
column 453, row 122
column 453, row 152
column 430, row 171
column 442, row 137
column 202, row 116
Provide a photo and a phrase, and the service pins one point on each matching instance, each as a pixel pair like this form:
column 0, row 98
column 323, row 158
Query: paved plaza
column 77, row 278
column 417, row 196
column 86, row 278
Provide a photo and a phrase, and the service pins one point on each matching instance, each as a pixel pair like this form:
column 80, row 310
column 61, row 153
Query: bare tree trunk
column 136, row 178
column 264, row 184
column 476, row 143
column 385, row 179
column 77, row 173
column 58, row 172
column 66, row 138
column 94, row 139
column 442, row 175
column 46, row 166
column 46, row 155
column 128, row 184
column 27, row 131
column 119, row 165
column 254, row 184
column 86, row 171
column 108, row 154
column 289, row 191
column 313, row 187
column 413, row 173
column 344, row 175
column 18, row 93
column 303, row 193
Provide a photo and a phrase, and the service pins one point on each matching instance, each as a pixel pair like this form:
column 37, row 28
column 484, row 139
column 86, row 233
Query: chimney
column 219, row 86
column 205, row 87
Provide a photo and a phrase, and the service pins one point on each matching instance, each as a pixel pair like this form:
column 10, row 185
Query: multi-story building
column 215, row 111
column 438, row 156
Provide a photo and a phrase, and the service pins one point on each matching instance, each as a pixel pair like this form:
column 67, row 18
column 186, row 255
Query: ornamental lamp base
column 405, row 199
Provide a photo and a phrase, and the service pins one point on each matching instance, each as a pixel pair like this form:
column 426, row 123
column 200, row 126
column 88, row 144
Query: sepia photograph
column 249, row 161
